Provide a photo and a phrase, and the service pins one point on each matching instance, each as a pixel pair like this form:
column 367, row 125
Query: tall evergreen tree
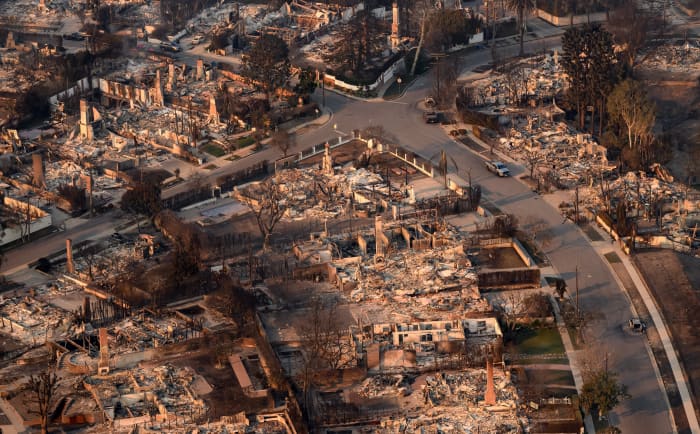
column 589, row 61
column 521, row 7
column 266, row 65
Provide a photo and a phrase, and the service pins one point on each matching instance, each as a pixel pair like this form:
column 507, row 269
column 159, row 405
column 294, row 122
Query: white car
column 497, row 167
column 197, row 39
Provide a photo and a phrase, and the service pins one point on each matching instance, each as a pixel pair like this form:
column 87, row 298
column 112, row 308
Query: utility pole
column 438, row 78
column 443, row 165
column 577, row 309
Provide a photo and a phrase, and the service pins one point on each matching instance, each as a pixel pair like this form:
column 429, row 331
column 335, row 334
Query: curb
column 403, row 91
column 647, row 345
column 326, row 112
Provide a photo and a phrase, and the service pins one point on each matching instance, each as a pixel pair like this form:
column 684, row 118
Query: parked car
column 497, row 167
column 169, row 46
column 75, row 36
column 431, row 117
column 637, row 325
column 197, row 39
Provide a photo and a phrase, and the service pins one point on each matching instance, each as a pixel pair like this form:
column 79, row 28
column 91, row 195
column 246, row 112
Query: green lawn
column 214, row 150
column 538, row 341
column 242, row 142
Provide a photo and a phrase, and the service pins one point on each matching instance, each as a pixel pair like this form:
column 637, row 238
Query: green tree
column 448, row 27
column 360, row 40
column 602, row 392
column 307, row 82
column 521, row 7
column 590, row 63
column 267, row 64
column 634, row 114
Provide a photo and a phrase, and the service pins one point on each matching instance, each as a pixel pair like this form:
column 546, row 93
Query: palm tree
column 521, row 7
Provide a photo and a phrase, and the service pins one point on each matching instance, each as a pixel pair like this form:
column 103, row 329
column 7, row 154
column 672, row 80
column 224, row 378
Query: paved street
column 600, row 297
column 80, row 230
column 646, row 411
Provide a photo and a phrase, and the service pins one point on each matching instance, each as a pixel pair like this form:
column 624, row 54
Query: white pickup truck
column 497, row 167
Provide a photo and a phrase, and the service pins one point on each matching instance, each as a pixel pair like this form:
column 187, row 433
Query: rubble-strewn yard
column 674, row 281
column 674, row 56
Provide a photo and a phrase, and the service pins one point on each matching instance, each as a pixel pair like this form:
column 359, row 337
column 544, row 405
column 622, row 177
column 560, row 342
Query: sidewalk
column 326, row 116
column 660, row 325
column 604, row 247
column 463, row 223
column 571, row 352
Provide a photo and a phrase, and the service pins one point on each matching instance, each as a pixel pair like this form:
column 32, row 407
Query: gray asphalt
column 95, row 228
column 646, row 411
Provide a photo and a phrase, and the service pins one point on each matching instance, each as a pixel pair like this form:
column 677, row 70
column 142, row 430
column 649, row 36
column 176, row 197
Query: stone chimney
column 327, row 162
column 395, row 25
column 86, row 130
column 200, row 69
column 10, row 41
column 213, row 111
column 490, row 394
column 170, row 85
column 158, row 90
column 38, row 171
column 103, row 362
column 70, row 267
column 378, row 235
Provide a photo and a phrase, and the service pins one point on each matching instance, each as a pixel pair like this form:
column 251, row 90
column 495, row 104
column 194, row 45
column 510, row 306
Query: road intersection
column 647, row 411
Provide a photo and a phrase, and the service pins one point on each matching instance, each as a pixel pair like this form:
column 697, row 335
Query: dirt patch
column 226, row 397
column 691, row 267
column 540, row 381
column 666, row 276
column 499, row 258
column 677, row 100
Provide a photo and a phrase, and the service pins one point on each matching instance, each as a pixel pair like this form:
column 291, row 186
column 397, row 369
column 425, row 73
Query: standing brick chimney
column 490, row 394
column 69, row 256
